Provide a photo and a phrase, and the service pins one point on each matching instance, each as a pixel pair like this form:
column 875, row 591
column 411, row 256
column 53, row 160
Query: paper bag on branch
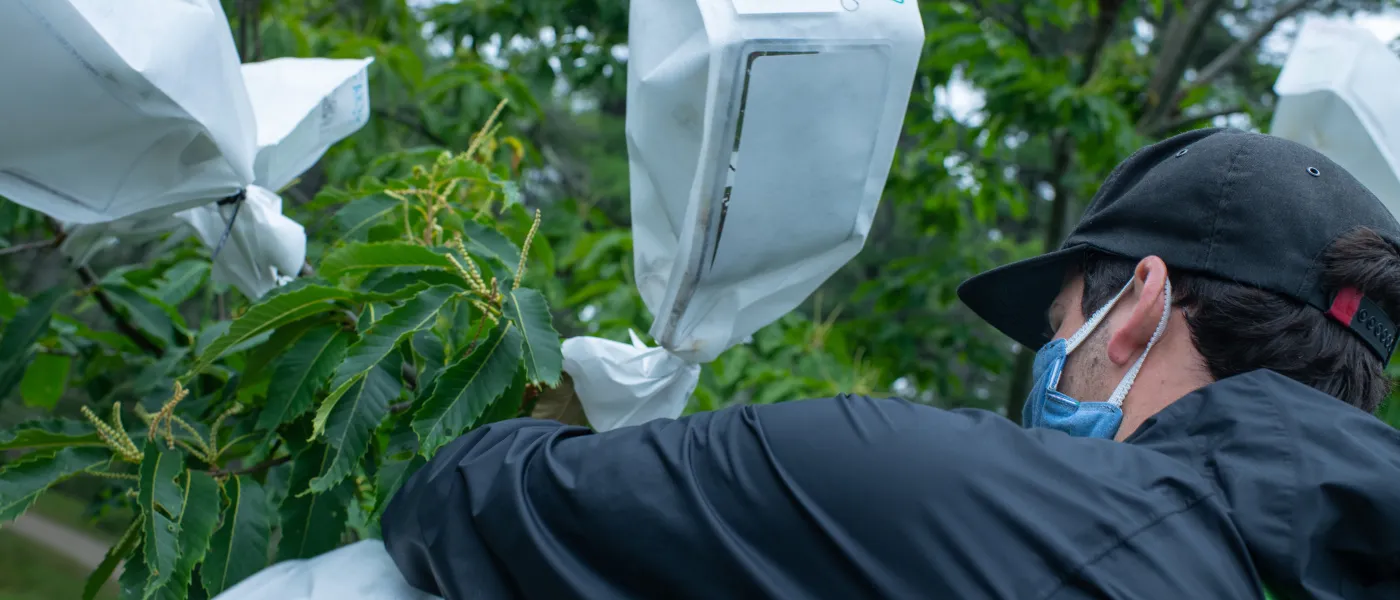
column 760, row 134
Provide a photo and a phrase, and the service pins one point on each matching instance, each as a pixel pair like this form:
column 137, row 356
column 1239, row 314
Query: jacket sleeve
column 836, row 498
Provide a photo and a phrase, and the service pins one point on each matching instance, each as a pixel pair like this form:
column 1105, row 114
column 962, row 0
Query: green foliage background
column 236, row 434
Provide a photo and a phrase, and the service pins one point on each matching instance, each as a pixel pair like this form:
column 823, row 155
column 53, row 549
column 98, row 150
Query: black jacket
column 1254, row 478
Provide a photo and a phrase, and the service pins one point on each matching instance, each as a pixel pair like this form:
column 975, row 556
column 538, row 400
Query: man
column 1224, row 309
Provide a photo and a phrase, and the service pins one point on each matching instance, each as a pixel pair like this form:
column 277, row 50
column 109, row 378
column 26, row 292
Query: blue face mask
column 1048, row 408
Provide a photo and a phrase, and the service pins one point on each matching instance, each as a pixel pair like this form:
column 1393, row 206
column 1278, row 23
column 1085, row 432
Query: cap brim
column 1014, row 298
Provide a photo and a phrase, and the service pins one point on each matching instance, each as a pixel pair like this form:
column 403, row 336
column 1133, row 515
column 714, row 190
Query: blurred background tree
column 1019, row 110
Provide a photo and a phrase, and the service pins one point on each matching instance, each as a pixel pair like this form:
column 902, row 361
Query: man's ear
column 1130, row 337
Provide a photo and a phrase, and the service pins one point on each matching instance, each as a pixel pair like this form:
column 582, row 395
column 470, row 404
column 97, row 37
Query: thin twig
column 417, row 126
column 1185, row 120
column 400, row 407
column 124, row 326
column 39, row 245
column 258, row 468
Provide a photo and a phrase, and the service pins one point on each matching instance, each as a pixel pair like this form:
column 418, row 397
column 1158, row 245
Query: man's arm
column 743, row 502
column 834, row 498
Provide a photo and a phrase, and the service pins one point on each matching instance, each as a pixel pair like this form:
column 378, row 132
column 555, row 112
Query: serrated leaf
column 363, row 257
column 115, row 555
column 271, row 313
column 45, row 380
column 356, row 217
column 161, row 500
column 302, row 372
column 239, row 548
column 145, row 314
column 134, row 576
column 508, row 405
column 49, row 434
column 21, row 333
column 484, row 240
column 377, row 342
column 393, row 282
column 22, row 481
column 180, row 281
column 392, row 475
column 434, row 353
column 197, row 523
column 350, row 424
column 312, row 523
column 543, row 359
column 464, row 390
column 276, row 345
column 218, row 329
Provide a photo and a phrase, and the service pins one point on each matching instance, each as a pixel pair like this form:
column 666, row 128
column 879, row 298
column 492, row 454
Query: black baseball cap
column 1224, row 203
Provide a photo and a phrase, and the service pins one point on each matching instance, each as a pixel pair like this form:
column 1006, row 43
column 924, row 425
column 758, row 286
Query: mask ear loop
column 1121, row 391
column 1094, row 320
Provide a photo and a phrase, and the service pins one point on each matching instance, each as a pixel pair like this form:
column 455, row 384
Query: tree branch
column 1182, row 34
column 1016, row 24
column 417, row 126
column 39, row 245
column 137, row 336
column 258, row 468
column 1231, row 55
column 1183, row 121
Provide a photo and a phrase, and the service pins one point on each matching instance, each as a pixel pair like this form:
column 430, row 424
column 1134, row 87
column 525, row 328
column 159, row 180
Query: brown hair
column 1238, row 328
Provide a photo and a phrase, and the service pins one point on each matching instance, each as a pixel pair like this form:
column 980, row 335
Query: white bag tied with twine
column 760, row 134
column 127, row 122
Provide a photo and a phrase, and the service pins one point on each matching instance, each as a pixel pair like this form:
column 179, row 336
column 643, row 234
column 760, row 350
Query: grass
column 29, row 571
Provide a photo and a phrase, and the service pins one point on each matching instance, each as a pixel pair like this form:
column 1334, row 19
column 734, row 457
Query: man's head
column 1277, row 259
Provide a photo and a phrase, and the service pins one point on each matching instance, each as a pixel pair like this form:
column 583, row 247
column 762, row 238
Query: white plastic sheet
column 127, row 122
column 1337, row 94
column 760, row 134
column 360, row 571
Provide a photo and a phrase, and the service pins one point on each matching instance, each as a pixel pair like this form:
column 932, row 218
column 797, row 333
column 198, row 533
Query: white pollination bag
column 126, row 122
column 301, row 107
column 1338, row 94
column 760, row 134
column 114, row 109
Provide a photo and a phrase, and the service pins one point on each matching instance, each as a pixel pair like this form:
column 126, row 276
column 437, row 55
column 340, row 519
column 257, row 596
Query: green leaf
column 134, row 576
column 180, row 281
column 355, row 218
column 218, row 329
column 392, row 475
column 508, row 405
column 312, row 523
column 239, row 548
column 145, row 314
column 351, row 423
column 45, row 380
column 20, row 335
column 399, row 280
column 271, row 313
column 276, row 346
column 543, row 359
column 22, row 481
column 115, row 555
column 302, row 372
column 377, row 342
column 196, row 525
column 430, row 347
column 161, row 500
column 484, row 240
column 49, row 434
column 464, row 390
column 363, row 257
